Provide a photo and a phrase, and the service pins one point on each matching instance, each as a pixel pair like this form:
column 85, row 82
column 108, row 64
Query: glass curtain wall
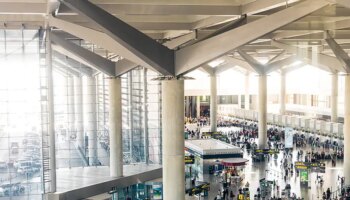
column 141, row 106
column 22, row 114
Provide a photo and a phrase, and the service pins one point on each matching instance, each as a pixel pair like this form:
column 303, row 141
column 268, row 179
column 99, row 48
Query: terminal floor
column 78, row 177
column 272, row 171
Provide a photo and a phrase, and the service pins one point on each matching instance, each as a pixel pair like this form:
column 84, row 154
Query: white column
column 334, row 98
column 283, row 94
column 246, row 92
column 173, row 139
column 213, row 103
column 71, row 115
column 193, row 108
column 79, row 115
column 145, row 115
column 91, row 126
column 346, row 166
column 198, row 104
column 187, row 110
column 239, row 99
column 262, row 112
column 130, row 116
column 115, row 128
column 51, row 111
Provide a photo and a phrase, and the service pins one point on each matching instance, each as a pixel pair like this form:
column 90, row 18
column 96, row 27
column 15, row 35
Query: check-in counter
column 341, row 131
column 289, row 121
column 256, row 116
column 335, row 130
column 269, row 118
column 280, row 120
column 275, row 119
column 296, row 122
column 328, row 128
column 312, row 125
column 303, row 123
column 284, row 120
column 307, row 124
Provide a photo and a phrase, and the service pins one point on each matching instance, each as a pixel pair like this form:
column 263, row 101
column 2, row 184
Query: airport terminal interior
column 174, row 99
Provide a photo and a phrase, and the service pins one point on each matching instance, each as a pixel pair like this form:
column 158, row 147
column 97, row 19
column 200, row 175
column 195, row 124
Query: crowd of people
column 310, row 148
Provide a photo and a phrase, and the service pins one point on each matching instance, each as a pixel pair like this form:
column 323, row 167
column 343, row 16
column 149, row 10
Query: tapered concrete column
column 173, row 139
column 262, row 112
column 283, row 94
column 198, row 104
column 187, row 110
column 193, row 108
column 51, row 112
column 145, row 115
column 71, row 112
column 213, row 103
column 115, row 128
column 91, row 126
column 346, row 131
column 246, row 92
column 334, row 98
column 79, row 115
column 130, row 116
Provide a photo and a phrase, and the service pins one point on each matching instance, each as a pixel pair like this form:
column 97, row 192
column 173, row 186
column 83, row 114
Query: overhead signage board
column 189, row 160
column 266, row 151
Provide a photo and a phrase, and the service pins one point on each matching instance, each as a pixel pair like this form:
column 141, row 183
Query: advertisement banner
column 304, row 176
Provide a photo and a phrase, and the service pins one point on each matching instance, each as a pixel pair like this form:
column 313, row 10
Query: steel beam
column 87, row 57
column 63, row 69
column 341, row 55
column 279, row 64
column 145, row 48
column 277, row 57
column 172, row 44
column 208, row 69
column 75, row 65
column 258, row 67
column 289, row 69
column 324, row 62
column 194, row 56
column 97, row 38
column 239, row 62
column 261, row 6
column 226, row 66
column 171, row 9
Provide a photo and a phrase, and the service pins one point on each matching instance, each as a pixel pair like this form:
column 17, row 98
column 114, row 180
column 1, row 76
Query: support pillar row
column 115, row 128
column 334, row 98
column 173, row 139
column 91, row 126
column 246, row 91
column 79, row 115
column 283, row 94
column 262, row 112
column 213, row 103
column 346, row 131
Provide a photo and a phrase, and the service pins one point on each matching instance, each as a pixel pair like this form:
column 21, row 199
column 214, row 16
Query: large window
column 21, row 112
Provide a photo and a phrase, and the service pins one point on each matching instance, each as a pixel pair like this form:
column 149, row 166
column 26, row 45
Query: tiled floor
column 69, row 179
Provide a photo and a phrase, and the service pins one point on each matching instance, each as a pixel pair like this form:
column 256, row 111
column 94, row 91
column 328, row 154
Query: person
column 328, row 193
column 231, row 195
column 225, row 194
column 324, row 196
column 247, row 185
column 218, row 196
